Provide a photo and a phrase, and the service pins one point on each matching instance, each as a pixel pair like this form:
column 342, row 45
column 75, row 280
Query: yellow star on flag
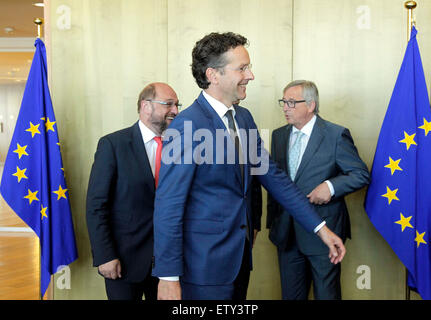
column 420, row 238
column 43, row 212
column 61, row 193
column 31, row 196
column 408, row 140
column 390, row 194
column 426, row 127
column 404, row 222
column 20, row 174
column 393, row 165
column 33, row 129
column 49, row 125
column 21, row 151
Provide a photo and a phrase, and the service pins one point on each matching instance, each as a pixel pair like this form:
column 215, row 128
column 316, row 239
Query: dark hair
column 149, row 92
column 209, row 53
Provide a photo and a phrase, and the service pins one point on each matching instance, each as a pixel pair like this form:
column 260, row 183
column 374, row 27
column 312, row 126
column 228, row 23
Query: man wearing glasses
column 323, row 162
column 203, row 225
column 121, row 194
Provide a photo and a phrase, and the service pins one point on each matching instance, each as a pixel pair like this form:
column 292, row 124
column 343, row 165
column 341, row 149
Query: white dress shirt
column 221, row 110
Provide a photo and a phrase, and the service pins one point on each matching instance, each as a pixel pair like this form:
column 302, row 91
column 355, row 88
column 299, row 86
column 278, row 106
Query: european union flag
column 398, row 200
column 33, row 182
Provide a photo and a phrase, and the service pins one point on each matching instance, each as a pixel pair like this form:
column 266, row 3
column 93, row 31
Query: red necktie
column 158, row 158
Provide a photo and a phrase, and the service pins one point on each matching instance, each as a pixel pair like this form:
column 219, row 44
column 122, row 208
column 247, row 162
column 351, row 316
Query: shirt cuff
column 331, row 187
column 316, row 230
column 170, row 278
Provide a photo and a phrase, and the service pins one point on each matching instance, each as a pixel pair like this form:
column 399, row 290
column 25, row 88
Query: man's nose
column 249, row 75
column 174, row 109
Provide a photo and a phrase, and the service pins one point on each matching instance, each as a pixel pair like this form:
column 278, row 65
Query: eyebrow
column 168, row 99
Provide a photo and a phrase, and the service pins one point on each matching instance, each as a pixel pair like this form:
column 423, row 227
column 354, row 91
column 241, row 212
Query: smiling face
column 157, row 116
column 228, row 84
column 302, row 113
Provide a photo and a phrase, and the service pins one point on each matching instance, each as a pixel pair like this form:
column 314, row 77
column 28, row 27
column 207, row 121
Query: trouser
column 298, row 270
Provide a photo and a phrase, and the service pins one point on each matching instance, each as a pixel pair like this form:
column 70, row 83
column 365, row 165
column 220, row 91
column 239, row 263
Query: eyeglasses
column 243, row 68
column 290, row 103
column 169, row 104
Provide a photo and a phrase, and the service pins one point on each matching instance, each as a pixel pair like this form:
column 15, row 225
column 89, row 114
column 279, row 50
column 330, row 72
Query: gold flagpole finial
column 410, row 5
column 39, row 22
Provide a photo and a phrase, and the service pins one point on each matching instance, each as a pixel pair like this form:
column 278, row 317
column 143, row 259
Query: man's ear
column 145, row 107
column 312, row 106
column 141, row 105
column 212, row 75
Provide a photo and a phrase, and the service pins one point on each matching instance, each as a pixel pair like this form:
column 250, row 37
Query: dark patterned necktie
column 234, row 135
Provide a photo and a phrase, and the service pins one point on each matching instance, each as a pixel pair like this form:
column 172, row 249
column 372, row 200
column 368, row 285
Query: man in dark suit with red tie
column 120, row 197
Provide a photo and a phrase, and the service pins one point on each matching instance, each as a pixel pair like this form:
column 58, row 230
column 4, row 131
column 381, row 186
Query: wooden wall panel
column 352, row 49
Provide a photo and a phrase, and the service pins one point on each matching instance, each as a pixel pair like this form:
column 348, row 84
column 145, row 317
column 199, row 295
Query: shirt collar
column 218, row 106
column 308, row 128
column 147, row 133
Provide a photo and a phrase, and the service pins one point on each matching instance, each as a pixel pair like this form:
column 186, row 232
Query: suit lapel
column 245, row 143
column 316, row 138
column 217, row 123
column 140, row 153
column 283, row 146
column 210, row 113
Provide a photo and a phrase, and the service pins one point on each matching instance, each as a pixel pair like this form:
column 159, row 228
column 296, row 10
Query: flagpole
column 49, row 294
column 39, row 22
column 409, row 5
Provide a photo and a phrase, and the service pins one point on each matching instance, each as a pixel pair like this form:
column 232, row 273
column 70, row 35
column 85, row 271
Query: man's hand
column 169, row 290
column 320, row 195
column 111, row 269
column 334, row 243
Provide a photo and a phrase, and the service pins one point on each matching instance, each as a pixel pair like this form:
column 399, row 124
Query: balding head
column 157, row 106
column 149, row 92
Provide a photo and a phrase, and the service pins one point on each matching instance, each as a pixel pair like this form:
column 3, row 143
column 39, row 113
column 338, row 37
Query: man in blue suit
column 203, row 229
column 324, row 164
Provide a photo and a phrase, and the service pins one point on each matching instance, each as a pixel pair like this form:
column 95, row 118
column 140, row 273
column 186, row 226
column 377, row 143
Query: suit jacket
column 256, row 203
column 120, row 203
column 330, row 155
column 202, row 207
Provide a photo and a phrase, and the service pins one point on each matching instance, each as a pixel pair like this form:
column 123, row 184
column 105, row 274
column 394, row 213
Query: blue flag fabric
column 33, row 182
column 398, row 200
